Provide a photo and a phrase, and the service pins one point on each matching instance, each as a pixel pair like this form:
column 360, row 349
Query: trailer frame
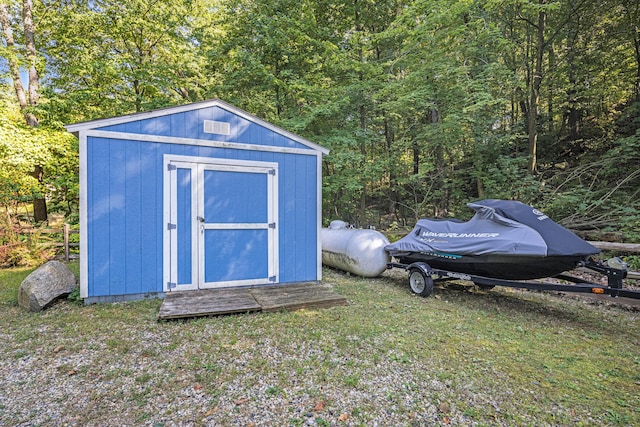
column 422, row 278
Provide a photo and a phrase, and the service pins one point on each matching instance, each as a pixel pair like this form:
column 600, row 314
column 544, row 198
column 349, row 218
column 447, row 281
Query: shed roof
column 99, row 123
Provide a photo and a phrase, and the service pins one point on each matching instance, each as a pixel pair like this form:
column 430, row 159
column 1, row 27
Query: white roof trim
column 93, row 124
column 199, row 142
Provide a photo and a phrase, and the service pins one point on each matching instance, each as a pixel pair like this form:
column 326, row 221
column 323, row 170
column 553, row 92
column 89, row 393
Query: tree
column 28, row 102
column 20, row 147
column 125, row 57
column 424, row 104
column 631, row 21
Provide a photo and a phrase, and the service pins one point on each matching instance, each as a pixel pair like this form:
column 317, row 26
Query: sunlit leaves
column 20, row 148
column 126, row 56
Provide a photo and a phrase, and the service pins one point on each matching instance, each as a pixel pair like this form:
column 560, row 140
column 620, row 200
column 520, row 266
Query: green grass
column 10, row 280
column 502, row 357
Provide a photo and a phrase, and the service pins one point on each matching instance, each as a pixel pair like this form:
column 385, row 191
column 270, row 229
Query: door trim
column 170, row 247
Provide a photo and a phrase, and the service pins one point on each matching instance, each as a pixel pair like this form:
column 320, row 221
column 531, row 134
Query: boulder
column 46, row 284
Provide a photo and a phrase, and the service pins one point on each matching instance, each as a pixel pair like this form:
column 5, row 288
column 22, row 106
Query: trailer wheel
column 420, row 283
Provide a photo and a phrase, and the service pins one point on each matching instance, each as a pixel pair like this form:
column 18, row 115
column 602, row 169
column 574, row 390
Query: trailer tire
column 420, row 282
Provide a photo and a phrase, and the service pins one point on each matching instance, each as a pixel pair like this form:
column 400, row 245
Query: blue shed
column 196, row 196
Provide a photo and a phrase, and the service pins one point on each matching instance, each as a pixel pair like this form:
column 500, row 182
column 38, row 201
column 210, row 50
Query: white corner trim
column 84, row 246
column 319, row 218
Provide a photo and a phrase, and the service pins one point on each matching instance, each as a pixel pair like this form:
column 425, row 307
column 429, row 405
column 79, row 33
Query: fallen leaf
column 242, row 401
column 197, row 387
column 319, row 406
column 58, row 349
column 210, row 412
column 343, row 417
column 443, row 407
column 72, row 372
column 446, row 420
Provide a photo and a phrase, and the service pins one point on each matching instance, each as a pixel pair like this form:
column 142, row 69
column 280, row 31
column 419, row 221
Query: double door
column 221, row 223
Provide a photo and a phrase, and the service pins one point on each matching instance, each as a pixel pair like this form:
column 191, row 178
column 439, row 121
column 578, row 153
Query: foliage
column 603, row 193
column 19, row 250
column 633, row 262
column 125, row 57
column 424, row 104
column 74, row 296
column 21, row 147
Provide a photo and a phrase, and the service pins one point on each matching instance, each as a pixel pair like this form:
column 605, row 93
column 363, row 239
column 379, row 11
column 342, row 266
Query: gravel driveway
column 387, row 359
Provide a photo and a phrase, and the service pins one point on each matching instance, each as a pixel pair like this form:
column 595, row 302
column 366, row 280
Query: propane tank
column 358, row 251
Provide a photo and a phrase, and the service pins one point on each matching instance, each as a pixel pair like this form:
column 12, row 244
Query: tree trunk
column 39, row 203
column 12, row 59
column 631, row 11
column 440, row 204
column 389, row 138
column 32, row 58
column 535, row 92
column 362, row 210
column 636, row 45
column 362, row 111
column 550, row 106
column 574, row 114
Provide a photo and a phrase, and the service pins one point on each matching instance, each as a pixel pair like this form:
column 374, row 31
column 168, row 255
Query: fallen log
column 614, row 246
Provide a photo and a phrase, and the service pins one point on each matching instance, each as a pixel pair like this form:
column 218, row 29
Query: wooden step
column 211, row 302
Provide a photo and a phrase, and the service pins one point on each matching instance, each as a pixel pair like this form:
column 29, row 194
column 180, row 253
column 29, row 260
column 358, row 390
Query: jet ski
column 505, row 239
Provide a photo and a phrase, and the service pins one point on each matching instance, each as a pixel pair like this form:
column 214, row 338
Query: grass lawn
column 500, row 357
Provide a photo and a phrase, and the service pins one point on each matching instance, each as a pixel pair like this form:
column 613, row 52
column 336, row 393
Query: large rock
column 46, row 284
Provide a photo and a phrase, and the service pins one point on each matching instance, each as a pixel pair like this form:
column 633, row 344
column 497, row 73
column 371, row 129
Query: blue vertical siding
column 133, row 219
column 151, row 188
column 311, row 194
column 184, row 224
column 118, row 250
column 178, row 125
column 190, row 124
column 288, row 218
column 98, row 217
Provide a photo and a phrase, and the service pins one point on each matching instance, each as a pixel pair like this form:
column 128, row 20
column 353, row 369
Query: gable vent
column 220, row 128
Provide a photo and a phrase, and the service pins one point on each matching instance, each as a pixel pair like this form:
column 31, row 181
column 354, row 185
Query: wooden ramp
column 178, row 305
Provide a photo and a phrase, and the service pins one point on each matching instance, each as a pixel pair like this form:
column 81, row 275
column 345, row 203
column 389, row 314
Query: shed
column 196, row 196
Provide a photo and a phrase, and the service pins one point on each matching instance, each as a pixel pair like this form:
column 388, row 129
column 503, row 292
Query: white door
column 222, row 224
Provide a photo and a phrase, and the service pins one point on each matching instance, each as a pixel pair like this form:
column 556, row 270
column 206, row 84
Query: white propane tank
column 358, row 251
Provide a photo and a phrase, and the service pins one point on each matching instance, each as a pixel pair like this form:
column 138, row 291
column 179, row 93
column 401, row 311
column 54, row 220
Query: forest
column 426, row 105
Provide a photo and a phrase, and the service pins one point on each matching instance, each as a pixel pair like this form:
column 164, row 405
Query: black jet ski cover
column 499, row 227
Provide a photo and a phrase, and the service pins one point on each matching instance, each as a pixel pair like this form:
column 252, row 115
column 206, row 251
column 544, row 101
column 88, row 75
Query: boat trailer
column 422, row 278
